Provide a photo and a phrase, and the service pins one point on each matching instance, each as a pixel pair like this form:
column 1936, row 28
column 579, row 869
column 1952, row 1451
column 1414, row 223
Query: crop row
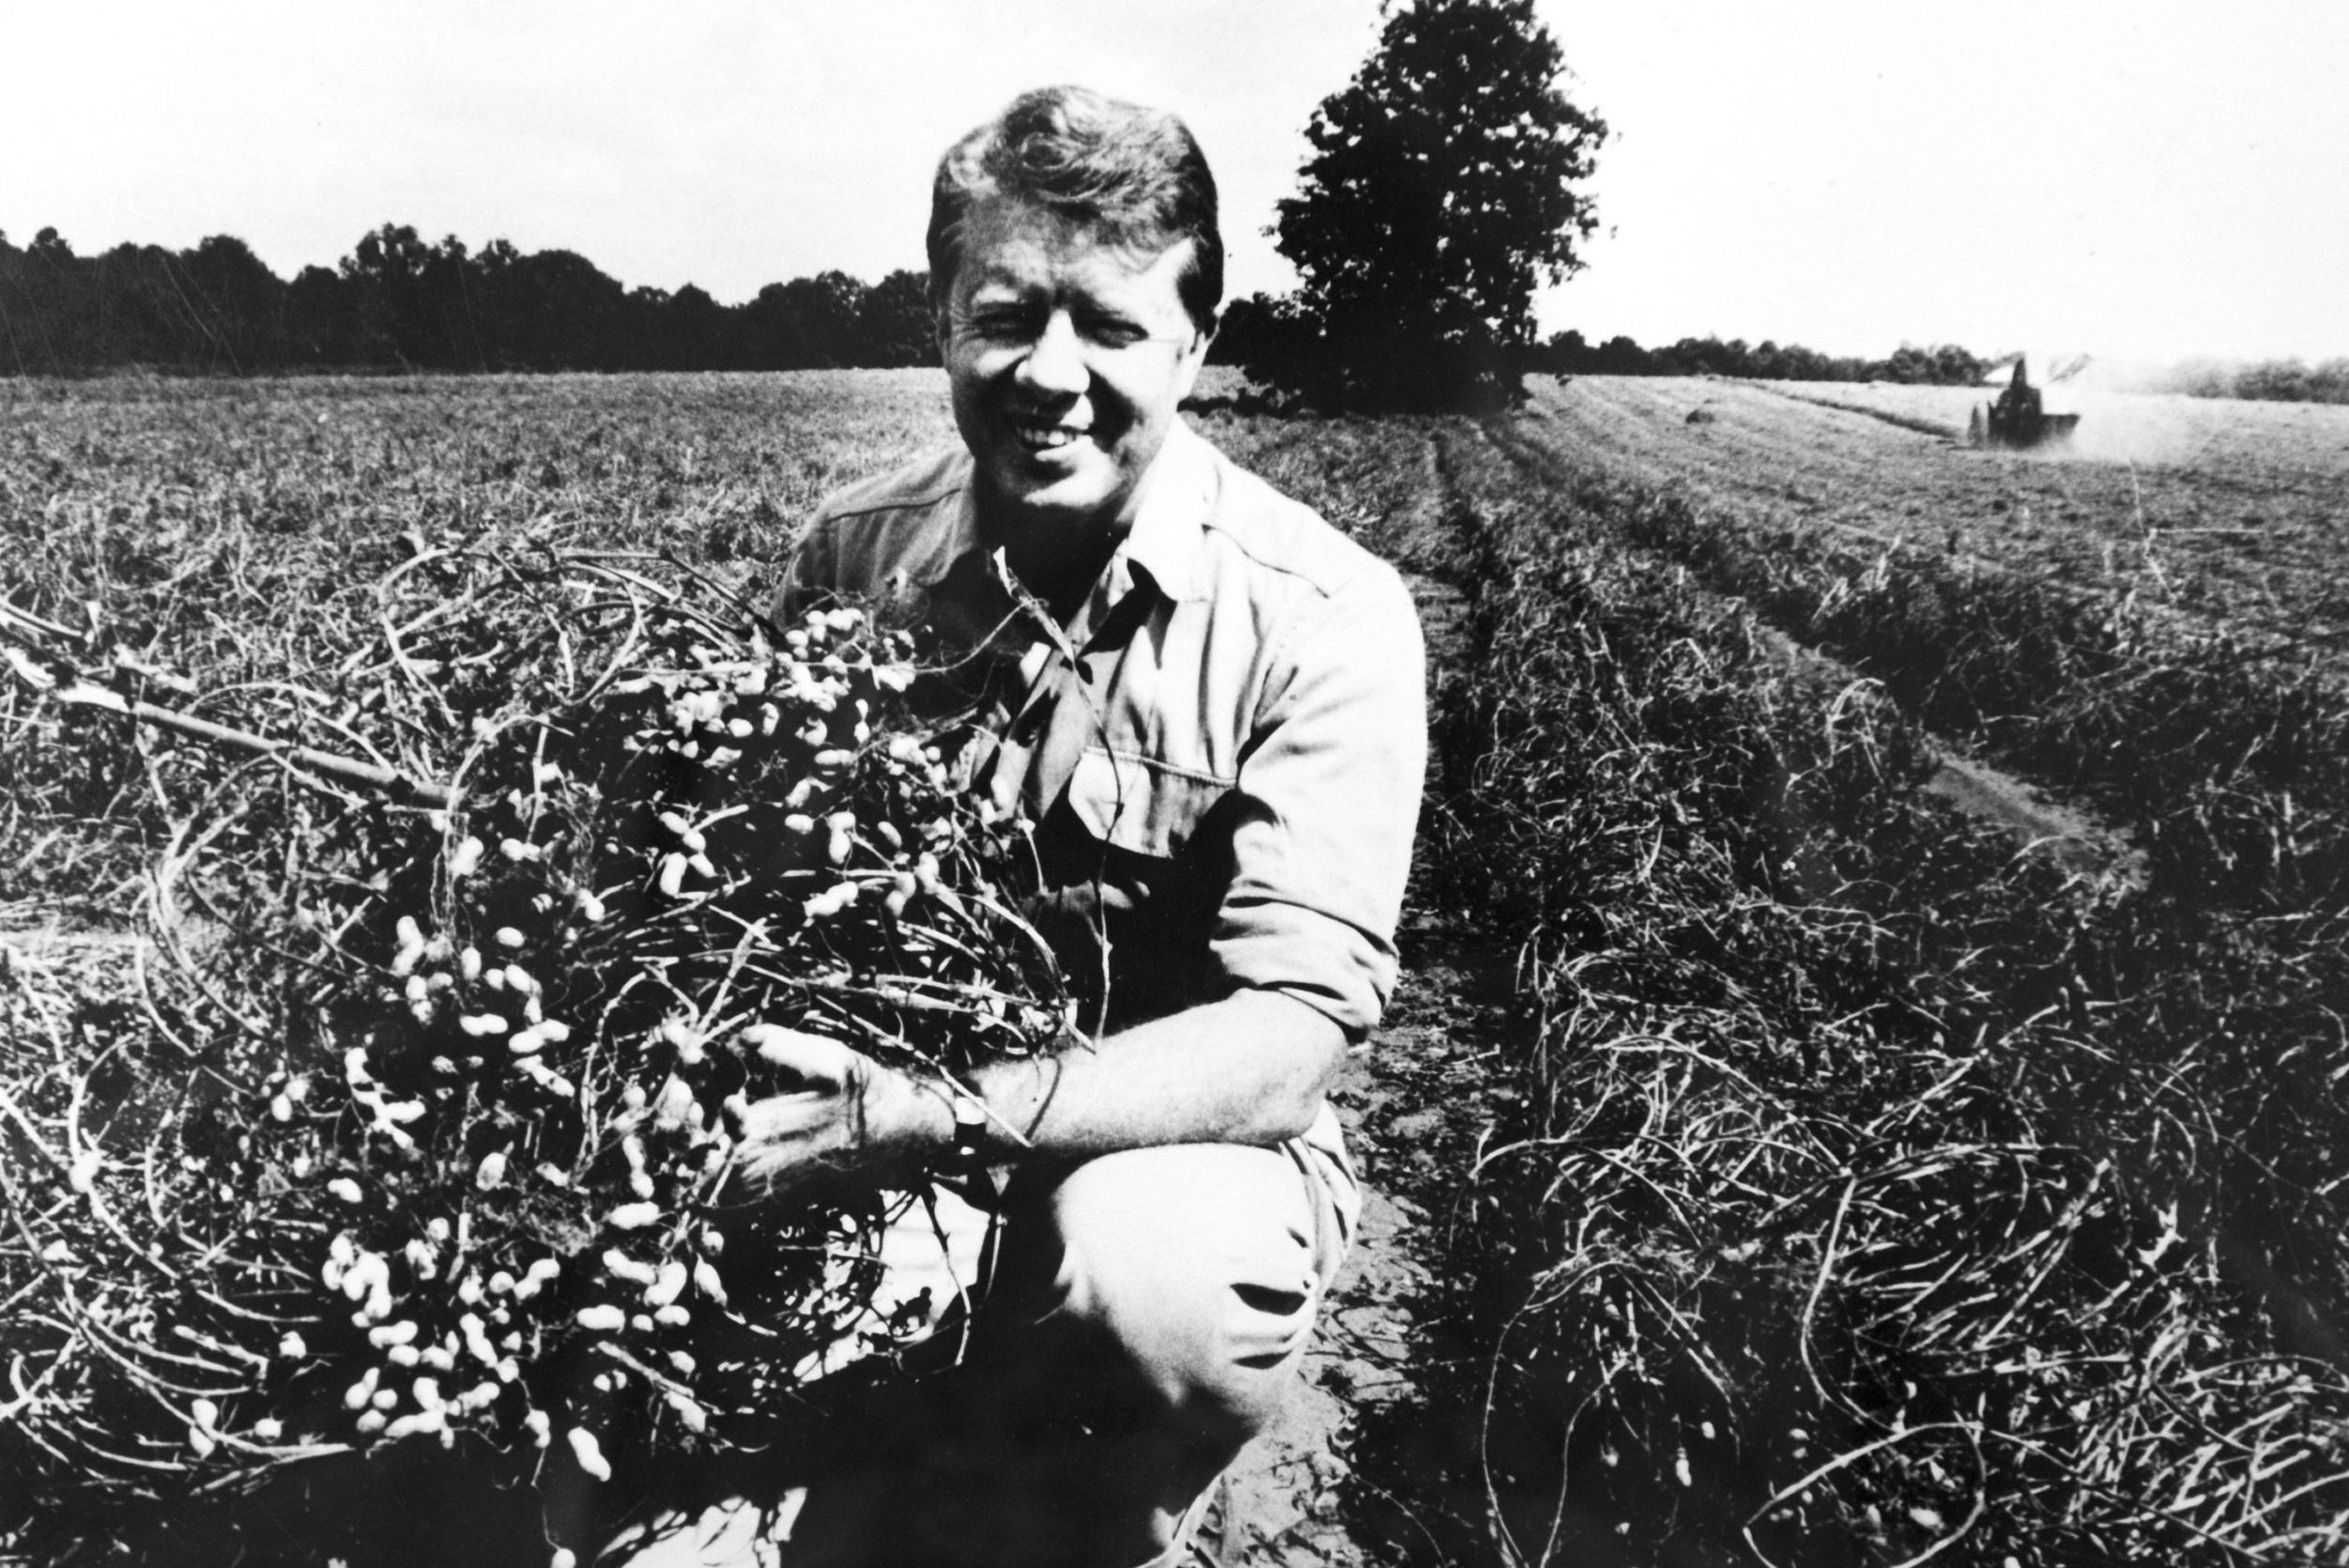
column 1876, row 1191
column 2224, row 756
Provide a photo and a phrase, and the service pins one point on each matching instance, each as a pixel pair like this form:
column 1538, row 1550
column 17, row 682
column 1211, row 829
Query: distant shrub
column 2267, row 380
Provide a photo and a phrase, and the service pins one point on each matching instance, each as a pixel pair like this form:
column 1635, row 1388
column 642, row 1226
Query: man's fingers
column 815, row 1060
column 820, row 1124
column 784, row 1139
column 789, row 1115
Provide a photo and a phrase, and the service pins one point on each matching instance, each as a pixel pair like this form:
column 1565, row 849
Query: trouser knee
column 1201, row 1268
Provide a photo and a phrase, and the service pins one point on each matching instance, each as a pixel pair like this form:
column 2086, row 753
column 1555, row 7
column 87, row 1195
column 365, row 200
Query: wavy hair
column 1134, row 176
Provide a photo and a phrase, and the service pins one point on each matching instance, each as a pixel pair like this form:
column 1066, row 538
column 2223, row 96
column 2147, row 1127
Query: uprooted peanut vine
column 430, row 1134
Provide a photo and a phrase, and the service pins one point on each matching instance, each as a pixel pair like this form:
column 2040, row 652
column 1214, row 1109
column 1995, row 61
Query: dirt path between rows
column 1338, row 1480
column 1343, row 1480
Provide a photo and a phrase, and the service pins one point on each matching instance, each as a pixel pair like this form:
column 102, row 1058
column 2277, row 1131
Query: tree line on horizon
column 397, row 302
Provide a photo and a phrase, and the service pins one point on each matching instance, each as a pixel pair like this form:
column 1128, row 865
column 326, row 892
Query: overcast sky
column 2146, row 180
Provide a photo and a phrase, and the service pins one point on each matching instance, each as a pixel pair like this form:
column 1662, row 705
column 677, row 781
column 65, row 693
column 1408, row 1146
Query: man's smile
column 1045, row 435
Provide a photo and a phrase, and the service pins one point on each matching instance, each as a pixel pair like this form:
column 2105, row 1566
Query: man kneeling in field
column 1210, row 704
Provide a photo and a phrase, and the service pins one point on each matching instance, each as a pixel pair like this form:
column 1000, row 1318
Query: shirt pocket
column 1141, row 805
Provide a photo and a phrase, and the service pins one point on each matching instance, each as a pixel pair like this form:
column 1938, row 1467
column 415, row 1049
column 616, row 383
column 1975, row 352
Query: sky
column 2147, row 180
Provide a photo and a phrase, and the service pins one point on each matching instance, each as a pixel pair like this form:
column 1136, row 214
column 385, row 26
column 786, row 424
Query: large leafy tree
column 1445, row 186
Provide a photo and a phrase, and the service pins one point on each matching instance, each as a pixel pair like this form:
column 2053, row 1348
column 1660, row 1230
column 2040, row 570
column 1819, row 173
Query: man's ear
column 1194, row 361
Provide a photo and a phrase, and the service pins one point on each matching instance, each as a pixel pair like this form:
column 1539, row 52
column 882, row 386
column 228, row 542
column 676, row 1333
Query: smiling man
column 1210, row 704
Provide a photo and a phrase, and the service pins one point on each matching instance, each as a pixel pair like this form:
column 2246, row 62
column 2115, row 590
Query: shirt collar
column 1168, row 539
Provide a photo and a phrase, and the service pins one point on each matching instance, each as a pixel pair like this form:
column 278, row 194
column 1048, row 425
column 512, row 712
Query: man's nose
column 1055, row 363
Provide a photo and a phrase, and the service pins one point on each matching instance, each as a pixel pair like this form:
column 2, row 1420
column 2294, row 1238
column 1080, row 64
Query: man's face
column 1068, row 358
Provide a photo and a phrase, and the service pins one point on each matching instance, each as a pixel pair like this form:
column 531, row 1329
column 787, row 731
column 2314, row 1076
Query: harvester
column 2015, row 417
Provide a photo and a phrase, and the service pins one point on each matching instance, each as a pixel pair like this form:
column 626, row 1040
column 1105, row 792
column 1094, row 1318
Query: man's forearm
column 1251, row 1069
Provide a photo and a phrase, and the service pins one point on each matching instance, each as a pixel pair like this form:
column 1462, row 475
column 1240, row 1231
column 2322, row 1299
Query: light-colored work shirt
column 1223, row 751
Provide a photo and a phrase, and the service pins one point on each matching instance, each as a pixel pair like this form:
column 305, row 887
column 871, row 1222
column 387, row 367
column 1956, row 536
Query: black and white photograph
column 1183, row 784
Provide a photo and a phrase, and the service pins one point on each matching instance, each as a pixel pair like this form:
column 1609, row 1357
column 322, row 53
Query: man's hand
column 1251, row 1069
column 851, row 1120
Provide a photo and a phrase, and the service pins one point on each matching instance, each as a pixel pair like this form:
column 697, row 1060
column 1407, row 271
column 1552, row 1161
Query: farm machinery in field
column 2018, row 416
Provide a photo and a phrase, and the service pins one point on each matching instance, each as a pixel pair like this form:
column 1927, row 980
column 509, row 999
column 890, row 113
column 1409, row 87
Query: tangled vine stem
column 424, row 1128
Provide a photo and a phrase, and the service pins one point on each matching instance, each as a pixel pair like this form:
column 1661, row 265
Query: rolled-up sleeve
column 1330, row 791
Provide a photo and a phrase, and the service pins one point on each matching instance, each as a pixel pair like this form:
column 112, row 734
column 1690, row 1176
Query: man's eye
column 1004, row 323
column 1115, row 334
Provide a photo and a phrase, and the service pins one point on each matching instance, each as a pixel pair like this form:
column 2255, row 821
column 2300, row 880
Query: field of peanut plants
column 1803, row 1169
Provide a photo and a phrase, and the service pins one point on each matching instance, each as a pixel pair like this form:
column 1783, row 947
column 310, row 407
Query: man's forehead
column 1010, row 242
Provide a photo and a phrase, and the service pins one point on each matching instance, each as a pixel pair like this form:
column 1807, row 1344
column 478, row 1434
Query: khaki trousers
column 1108, row 1338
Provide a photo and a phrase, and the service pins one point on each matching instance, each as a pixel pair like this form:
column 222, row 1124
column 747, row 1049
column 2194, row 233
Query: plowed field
column 2233, row 512
column 1774, row 1163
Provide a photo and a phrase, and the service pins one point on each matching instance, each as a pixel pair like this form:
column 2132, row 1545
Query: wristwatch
column 966, row 1162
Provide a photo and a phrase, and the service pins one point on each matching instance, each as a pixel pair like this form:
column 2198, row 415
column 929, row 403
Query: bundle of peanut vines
column 428, row 1140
